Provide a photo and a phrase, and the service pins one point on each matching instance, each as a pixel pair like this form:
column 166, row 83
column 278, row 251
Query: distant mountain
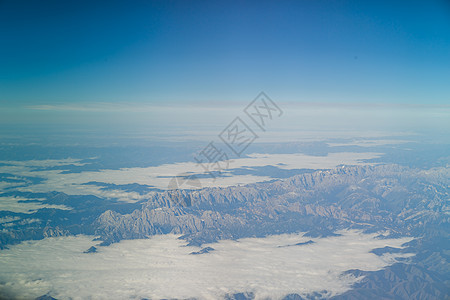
column 405, row 202
column 399, row 200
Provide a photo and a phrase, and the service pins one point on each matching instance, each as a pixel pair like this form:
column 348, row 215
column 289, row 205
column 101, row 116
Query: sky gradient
column 178, row 52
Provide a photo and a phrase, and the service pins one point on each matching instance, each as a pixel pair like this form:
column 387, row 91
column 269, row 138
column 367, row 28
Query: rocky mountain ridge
column 385, row 197
column 388, row 198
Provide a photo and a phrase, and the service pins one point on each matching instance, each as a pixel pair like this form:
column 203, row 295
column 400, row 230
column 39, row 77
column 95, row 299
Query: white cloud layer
column 44, row 163
column 161, row 267
column 370, row 142
column 13, row 204
column 160, row 176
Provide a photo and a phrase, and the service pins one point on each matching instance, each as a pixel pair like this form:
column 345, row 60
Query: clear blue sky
column 184, row 51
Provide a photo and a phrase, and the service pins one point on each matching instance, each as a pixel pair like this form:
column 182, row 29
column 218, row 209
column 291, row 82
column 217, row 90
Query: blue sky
column 175, row 52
